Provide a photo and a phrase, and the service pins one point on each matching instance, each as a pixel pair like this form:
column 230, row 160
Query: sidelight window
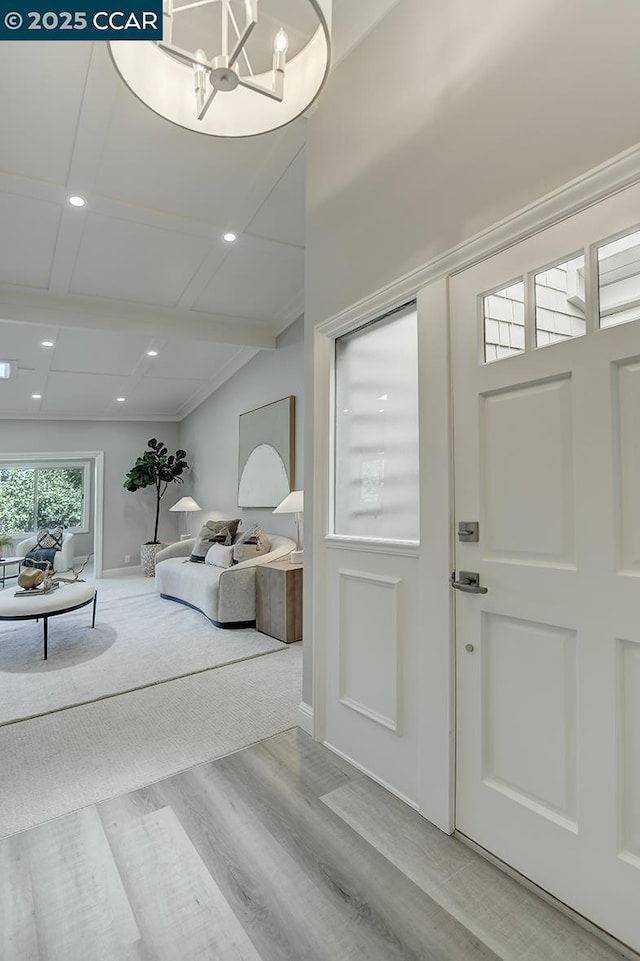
column 376, row 429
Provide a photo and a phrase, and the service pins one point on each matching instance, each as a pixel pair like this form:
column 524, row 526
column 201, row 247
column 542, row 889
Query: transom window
column 619, row 280
column 33, row 496
column 504, row 322
column 560, row 302
column 551, row 304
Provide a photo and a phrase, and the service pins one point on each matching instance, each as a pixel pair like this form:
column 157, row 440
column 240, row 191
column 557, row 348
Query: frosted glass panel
column 376, row 436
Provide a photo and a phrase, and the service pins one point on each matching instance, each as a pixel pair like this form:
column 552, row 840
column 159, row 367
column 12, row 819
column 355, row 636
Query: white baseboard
column 116, row 571
column 374, row 777
column 305, row 718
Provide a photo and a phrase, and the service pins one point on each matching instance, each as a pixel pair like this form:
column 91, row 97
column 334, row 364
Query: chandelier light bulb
column 281, row 42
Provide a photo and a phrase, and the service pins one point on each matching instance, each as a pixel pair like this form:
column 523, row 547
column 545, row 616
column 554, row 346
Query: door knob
column 469, row 582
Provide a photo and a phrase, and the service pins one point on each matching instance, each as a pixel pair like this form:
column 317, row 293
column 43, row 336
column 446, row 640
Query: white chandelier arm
column 241, row 42
column 191, row 6
column 207, row 103
column 185, row 55
column 275, row 94
column 251, row 16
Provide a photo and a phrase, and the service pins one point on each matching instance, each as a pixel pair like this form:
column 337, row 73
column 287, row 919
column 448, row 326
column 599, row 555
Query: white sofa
column 63, row 559
column 226, row 595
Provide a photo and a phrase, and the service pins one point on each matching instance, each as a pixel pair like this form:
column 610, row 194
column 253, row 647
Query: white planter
column 148, row 558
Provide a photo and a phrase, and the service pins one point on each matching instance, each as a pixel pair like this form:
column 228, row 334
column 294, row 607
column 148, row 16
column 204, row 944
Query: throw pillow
column 213, row 532
column 253, row 543
column 219, row 556
column 49, row 540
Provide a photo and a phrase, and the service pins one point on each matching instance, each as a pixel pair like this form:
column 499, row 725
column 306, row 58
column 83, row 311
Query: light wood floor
column 281, row 852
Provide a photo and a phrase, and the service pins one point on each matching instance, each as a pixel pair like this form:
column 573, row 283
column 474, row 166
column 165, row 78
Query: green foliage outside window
column 31, row 498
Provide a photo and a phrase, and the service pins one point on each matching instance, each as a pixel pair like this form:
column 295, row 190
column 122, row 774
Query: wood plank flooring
column 281, row 852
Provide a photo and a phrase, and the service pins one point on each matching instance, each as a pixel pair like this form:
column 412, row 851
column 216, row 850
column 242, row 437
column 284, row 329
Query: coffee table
column 67, row 597
column 5, row 562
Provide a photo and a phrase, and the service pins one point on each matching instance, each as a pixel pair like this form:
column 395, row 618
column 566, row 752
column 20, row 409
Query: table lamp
column 293, row 504
column 186, row 505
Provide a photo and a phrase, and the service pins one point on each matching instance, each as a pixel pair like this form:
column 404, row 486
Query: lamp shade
column 218, row 92
column 186, row 504
column 292, row 504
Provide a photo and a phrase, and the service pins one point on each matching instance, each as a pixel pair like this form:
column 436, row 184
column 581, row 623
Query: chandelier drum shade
column 231, row 68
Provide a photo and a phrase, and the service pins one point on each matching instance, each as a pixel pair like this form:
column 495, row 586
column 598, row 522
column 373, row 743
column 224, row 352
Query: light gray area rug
column 61, row 762
column 139, row 639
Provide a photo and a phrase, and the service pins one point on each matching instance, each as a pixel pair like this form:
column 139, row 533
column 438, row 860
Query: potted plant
column 156, row 468
column 5, row 541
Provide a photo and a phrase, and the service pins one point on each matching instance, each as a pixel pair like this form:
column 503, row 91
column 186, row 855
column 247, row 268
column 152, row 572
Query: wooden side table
column 279, row 600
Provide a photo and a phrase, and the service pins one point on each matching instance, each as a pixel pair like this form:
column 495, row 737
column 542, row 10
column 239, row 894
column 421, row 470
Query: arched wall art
column 266, row 454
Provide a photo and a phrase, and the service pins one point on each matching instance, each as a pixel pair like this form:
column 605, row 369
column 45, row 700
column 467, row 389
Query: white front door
column 547, row 461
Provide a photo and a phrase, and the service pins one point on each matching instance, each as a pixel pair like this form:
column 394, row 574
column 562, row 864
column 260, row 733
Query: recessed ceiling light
column 121, row 400
column 152, row 353
column 77, row 201
column 47, row 343
column 230, row 237
column 383, row 397
column 36, row 396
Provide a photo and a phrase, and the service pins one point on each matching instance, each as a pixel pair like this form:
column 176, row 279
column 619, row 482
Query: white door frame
column 429, row 284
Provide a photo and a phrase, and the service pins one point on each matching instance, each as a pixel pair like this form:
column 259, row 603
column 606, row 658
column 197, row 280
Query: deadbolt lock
column 468, row 531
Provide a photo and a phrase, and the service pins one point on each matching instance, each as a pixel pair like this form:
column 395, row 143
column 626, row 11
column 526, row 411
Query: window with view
column 34, row 496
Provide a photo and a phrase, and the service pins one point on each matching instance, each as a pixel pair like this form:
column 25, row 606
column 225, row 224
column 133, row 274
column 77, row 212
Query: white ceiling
column 143, row 265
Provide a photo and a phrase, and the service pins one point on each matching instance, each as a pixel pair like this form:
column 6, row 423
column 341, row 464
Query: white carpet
column 139, row 639
column 58, row 763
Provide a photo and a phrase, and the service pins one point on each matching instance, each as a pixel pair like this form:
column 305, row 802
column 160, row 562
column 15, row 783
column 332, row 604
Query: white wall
column 448, row 117
column 128, row 517
column 210, row 433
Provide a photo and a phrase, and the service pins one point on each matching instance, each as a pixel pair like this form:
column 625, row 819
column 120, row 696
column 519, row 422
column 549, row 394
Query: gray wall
column 210, row 433
column 128, row 517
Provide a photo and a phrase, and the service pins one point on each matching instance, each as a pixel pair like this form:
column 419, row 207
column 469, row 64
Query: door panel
column 525, row 441
column 383, row 663
column 528, row 714
column 547, row 459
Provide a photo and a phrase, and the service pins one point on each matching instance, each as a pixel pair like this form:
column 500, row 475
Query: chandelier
column 226, row 69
